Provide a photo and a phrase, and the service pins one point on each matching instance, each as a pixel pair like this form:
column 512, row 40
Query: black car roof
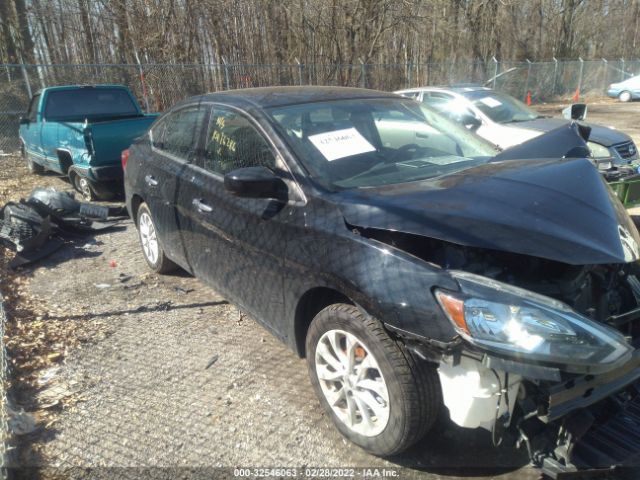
column 266, row 97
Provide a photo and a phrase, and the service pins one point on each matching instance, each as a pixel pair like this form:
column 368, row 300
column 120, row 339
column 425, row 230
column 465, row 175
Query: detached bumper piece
column 601, row 441
column 34, row 227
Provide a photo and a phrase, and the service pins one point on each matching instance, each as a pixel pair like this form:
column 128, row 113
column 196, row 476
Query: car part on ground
column 34, row 227
column 367, row 231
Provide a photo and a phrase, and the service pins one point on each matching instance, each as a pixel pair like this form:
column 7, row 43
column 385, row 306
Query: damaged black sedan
column 418, row 271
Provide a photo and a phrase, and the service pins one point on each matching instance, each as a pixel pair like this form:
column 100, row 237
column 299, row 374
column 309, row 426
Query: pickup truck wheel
column 625, row 96
column 371, row 386
column 32, row 166
column 151, row 248
column 83, row 186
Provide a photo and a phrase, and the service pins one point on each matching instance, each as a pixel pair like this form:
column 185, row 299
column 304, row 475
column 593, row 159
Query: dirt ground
column 605, row 111
column 126, row 371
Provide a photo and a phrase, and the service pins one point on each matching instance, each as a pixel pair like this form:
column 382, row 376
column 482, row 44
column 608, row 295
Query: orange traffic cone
column 576, row 95
column 529, row 97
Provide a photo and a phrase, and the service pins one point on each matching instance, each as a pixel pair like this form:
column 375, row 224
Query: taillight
column 124, row 158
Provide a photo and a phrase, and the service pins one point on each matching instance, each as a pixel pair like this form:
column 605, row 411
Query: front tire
column 370, row 385
column 625, row 96
column 151, row 248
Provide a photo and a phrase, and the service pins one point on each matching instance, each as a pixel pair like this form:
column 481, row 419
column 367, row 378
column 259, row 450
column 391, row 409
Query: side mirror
column 577, row 111
column 472, row 122
column 255, row 182
column 24, row 121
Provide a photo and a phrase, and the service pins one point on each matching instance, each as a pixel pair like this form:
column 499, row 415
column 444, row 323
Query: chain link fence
column 158, row 86
column 5, row 433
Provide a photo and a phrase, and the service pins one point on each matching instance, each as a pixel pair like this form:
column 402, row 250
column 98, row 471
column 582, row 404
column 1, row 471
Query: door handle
column 202, row 207
column 152, row 182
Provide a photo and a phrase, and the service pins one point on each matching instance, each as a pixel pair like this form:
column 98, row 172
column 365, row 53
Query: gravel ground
column 160, row 371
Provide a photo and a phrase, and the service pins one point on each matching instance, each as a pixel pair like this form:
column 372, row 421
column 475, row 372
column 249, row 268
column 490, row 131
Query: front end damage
column 580, row 416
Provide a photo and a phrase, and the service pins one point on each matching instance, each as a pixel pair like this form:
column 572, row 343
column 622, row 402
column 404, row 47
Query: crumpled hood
column 559, row 210
column 606, row 136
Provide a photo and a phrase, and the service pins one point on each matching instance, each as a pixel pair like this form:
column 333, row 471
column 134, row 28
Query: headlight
column 512, row 321
column 598, row 151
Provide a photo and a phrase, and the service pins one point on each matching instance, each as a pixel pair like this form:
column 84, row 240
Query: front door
column 237, row 245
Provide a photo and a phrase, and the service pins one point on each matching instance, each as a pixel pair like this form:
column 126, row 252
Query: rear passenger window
column 233, row 142
column 178, row 132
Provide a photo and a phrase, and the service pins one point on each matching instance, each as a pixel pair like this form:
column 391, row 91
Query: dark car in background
column 418, row 271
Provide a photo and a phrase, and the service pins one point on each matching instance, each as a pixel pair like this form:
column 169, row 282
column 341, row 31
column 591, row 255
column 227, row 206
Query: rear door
column 237, row 245
column 174, row 143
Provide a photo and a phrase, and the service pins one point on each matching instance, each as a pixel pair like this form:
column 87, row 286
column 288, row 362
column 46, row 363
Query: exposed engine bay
column 596, row 291
column 568, row 422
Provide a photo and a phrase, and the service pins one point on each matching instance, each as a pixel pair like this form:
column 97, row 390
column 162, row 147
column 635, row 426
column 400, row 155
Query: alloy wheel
column 148, row 238
column 352, row 382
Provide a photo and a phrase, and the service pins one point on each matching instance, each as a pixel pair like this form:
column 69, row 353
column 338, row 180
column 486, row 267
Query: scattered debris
column 21, row 423
column 180, row 289
column 34, row 227
column 213, row 360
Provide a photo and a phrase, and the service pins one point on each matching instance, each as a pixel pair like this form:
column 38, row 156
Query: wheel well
column 136, row 201
column 311, row 303
column 65, row 160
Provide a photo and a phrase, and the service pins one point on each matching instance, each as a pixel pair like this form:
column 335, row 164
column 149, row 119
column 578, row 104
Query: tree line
column 314, row 31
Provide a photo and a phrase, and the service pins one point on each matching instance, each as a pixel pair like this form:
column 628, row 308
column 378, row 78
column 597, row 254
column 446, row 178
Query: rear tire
column 32, row 166
column 88, row 189
column 413, row 394
column 625, row 96
column 151, row 248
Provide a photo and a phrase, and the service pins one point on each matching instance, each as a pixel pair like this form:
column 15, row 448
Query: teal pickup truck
column 80, row 131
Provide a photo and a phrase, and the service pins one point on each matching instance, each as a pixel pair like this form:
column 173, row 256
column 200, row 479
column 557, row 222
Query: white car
column 506, row 121
column 626, row 90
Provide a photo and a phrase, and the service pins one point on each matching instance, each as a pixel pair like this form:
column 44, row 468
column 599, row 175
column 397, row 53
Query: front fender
column 389, row 284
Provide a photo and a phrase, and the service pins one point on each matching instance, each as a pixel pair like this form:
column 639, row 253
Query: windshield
column 89, row 103
column 365, row 143
column 499, row 107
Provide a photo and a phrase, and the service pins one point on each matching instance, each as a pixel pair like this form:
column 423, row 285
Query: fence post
column 622, row 69
column 555, row 76
column 605, row 66
column 526, row 83
column 580, row 77
column 226, row 72
column 300, row 69
column 495, row 72
column 142, row 82
column 26, row 79
column 363, row 73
